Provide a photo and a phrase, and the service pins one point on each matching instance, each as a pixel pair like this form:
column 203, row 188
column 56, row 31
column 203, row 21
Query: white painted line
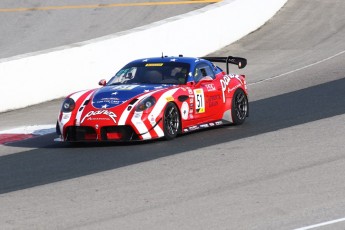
column 321, row 224
column 298, row 69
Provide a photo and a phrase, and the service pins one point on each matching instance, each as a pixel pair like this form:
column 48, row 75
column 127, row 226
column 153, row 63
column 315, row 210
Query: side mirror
column 102, row 82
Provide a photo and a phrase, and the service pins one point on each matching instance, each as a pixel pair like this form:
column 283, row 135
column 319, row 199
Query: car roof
column 166, row 59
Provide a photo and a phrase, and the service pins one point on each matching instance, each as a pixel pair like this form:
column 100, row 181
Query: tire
column 171, row 121
column 239, row 110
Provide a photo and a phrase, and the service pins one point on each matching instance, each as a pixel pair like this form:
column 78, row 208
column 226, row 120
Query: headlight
column 145, row 104
column 68, row 105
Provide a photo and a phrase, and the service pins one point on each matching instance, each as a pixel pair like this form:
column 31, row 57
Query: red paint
column 7, row 138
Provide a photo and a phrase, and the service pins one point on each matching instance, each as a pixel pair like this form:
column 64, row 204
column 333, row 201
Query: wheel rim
column 241, row 105
column 172, row 121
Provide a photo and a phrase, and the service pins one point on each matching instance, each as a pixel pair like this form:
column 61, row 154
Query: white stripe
column 67, row 116
column 77, row 95
column 298, row 69
column 137, row 121
column 146, row 136
column 161, row 103
column 159, row 131
column 125, row 113
column 321, row 224
column 80, row 111
column 140, row 126
column 158, row 109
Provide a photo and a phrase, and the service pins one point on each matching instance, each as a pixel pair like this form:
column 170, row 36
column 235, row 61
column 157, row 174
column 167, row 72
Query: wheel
column 239, row 110
column 171, row 121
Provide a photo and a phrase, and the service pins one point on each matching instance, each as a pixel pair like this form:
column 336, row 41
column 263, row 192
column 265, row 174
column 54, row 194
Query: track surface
column 34, row 29
column 282, row 169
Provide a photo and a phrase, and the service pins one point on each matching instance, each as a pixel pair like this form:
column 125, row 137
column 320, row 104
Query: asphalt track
column 283, row 169
column 32, row 26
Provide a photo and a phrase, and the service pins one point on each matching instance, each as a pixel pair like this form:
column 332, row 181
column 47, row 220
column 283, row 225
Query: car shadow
column 51, row 162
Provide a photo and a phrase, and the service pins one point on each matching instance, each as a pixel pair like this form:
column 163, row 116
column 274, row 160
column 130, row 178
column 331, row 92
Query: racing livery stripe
column 77, row 95
column 126, row 112
column 65, row 117
column 81, row 108
column 157, row 110
column 140, row 126
column 161, row 103
column 159, row 131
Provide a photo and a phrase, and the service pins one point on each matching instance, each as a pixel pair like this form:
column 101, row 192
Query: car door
column 207, row 93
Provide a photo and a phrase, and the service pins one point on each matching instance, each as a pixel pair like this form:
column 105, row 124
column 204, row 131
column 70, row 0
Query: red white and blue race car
column 156, row 98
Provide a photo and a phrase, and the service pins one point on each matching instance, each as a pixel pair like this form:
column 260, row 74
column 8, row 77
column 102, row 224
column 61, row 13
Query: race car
column 159, row 97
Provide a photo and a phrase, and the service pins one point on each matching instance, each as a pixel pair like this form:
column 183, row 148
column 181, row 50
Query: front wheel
column 239, row 110
column 171, row 121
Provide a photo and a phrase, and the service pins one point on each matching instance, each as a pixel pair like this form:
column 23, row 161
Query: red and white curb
column 25, row 132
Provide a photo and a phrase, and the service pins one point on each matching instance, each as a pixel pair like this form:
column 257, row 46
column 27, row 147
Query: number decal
column 199, row 100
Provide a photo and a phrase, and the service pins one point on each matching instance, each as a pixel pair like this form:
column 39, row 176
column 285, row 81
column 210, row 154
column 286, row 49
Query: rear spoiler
column 240, row 62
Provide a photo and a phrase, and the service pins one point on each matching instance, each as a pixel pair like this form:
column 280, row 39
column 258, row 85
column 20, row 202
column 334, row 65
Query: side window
column 203, row 70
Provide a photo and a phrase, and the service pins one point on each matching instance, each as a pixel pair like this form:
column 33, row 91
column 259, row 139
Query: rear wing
column 240, row 62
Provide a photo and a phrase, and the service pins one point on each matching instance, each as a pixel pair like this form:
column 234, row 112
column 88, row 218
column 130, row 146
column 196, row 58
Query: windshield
column 152, row 73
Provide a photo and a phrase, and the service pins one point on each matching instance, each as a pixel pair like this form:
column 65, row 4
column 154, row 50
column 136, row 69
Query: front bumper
column 106, row 133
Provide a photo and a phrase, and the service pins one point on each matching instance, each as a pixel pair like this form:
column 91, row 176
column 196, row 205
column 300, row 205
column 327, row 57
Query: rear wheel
column 239, row 110
column 171, row 121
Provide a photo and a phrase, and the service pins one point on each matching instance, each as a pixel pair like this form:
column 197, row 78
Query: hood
column 111, row 96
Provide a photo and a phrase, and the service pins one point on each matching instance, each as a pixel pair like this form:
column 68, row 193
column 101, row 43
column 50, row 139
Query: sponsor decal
column 124, row 87
column 113, row 100
column 234, row 88
column 152, row 120
column 90, row 115
column 214, row 100
column 137, row 115
column 170, row 98
column 210, row 87
column 218, row 122
column 153, row 64
column 226, row 81
column 184, row 110
column 66, row 116
column 204, row 126
column 195, row 127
